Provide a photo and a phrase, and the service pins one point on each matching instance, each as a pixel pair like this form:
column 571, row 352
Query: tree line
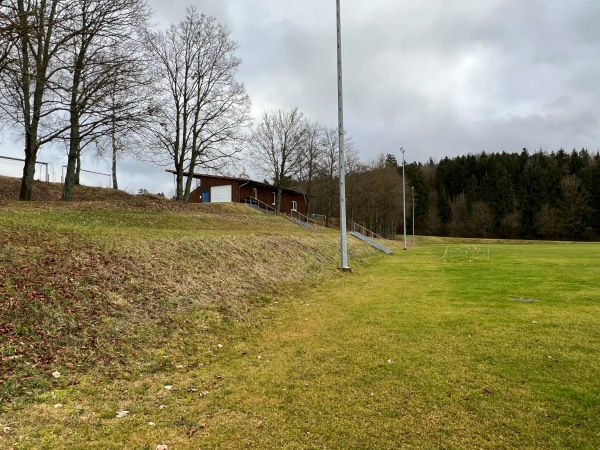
column 550, row 195
column 293, row 152
column 94, row 75
column 539, row 195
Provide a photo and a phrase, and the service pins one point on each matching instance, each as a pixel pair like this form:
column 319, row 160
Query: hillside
column 9, row 190
column 111, row 285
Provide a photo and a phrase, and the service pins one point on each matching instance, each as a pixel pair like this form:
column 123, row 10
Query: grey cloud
column 439, row 77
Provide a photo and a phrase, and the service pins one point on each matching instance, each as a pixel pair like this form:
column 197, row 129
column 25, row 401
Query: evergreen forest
column 540, row 195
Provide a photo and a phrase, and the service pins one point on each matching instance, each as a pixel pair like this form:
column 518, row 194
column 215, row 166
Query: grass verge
column 109, row 285
column 410, row 351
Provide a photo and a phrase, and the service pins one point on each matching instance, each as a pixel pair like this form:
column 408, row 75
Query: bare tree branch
column 279, row 142
column 204, row 110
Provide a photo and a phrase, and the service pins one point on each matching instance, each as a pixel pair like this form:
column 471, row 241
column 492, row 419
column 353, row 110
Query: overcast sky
column 437, row 77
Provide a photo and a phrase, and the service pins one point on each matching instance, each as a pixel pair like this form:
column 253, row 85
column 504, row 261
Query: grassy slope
column 10, row 186
column 410, row 351
column 116, row 285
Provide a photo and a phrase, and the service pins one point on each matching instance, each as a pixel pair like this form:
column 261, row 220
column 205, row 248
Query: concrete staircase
column 371, row 242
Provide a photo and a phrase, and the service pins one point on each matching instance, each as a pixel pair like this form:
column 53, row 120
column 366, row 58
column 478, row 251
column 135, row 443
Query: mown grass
column 483, row 349
column 107, row 285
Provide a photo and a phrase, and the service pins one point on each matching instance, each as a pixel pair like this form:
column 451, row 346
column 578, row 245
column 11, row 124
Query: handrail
column 366, row 232
column 260, row 204
column 303, row 218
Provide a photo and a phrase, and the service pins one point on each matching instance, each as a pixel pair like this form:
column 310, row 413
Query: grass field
column 448, row 345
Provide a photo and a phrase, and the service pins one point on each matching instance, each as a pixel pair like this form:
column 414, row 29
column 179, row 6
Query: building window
column 274, row 198
column 294, row 206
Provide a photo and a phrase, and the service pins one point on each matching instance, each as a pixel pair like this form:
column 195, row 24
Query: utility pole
column 343, row 237
column 403, row 199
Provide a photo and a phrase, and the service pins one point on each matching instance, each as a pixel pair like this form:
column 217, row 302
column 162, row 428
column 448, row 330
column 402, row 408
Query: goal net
column 472, row 253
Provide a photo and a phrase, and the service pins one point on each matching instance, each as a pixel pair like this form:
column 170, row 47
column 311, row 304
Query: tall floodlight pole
column 343, row 243
column 412, row 188
column 403, row 199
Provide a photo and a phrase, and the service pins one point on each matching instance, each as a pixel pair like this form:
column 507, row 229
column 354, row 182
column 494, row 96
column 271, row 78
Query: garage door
column 220, row 194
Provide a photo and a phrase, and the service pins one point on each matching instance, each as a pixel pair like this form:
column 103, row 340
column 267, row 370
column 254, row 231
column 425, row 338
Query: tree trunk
column 179, row 182
column 115, row 184
column 188, row 182
column 113, row 139
column 28, row 175
column 72, row 175
column 78, row 166
column 328, row 216
column 279, row 196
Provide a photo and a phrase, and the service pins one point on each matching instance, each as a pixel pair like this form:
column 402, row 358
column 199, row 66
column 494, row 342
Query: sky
column 436, row 77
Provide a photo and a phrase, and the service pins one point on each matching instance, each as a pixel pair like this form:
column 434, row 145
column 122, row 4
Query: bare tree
column 204, row 111
column 573, row 205
column 374, row 194
column 547, row 221
column 279, row 142
column 328, row 174
column 127, row 112
column 8, row 34
column 39, row 37
column 311, row 159
column 482, row 219
column 99, row 58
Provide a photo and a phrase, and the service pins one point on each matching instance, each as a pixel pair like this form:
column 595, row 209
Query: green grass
column 90, row 285
column 409, row 351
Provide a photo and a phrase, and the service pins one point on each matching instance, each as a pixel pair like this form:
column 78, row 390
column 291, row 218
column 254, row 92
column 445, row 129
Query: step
column 303, row 224
column 258, row 208
column 371, row 242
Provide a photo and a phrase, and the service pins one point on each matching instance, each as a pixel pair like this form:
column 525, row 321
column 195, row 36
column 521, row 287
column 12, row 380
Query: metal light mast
column 412, row 188
column 403, row 198
column 343, row 243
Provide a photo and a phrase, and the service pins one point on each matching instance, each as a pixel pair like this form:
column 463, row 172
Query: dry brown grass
column 105, row 284
column 44, row 192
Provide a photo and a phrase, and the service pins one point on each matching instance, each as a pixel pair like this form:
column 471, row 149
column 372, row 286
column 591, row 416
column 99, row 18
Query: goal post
column 11, row 167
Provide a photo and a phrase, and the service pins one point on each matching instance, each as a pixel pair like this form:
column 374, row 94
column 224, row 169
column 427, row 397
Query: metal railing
column 365, row 231
column 253, row 201
column 298, row 215
column 62, row 175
